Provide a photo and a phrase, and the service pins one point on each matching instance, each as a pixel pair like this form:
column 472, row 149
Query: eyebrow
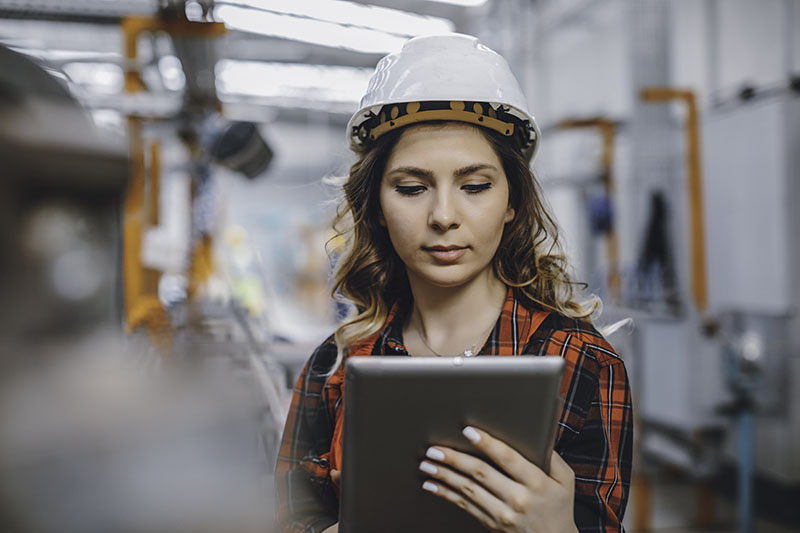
column 472, row 169
column 460, row 173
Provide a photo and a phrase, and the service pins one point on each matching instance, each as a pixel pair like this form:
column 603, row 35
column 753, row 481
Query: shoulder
column 316, row 389
column 574, row 339
column 321, row 361
column 595, row 377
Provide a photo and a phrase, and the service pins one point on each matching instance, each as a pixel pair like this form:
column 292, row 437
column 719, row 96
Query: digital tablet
column 396, row 407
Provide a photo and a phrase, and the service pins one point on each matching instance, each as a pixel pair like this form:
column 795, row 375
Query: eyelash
column 409, row 190
column 413, row 190
column 477, row 188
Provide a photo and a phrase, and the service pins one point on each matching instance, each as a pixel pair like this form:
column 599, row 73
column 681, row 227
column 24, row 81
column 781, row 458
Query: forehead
column 443, row 142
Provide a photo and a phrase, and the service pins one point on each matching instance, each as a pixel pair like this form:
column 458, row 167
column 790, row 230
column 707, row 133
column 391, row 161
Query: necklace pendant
column 468, row 353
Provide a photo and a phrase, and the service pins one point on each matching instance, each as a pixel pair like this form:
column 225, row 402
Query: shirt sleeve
column 601, row 452
column 306, row 501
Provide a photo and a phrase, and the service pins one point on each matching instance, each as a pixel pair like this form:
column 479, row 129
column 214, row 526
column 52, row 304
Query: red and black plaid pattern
column 595, row 435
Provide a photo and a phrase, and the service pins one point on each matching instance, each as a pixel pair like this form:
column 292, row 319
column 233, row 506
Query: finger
column 446, row 493
column 509, row 459
column 336, row 475
column 464, row 485
column 486, row 475
column 561, row 471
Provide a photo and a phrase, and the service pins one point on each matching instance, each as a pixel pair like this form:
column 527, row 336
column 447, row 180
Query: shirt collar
column 389, row 340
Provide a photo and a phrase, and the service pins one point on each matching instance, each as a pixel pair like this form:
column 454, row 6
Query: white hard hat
column 444, row 77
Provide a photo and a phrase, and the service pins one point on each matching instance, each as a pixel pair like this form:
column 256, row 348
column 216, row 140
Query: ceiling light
column 333, row 23
column 296, row 81
column 104, row 78
column 354, row 14
column 65, row 56
column 464, row 3
column 308, row 30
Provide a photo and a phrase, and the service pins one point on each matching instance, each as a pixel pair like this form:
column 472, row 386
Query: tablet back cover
column 396, row 407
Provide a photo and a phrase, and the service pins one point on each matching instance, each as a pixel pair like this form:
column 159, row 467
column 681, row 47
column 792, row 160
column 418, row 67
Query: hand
column 528, row 501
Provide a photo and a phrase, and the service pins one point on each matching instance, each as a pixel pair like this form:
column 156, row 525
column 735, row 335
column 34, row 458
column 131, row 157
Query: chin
column 446, row 277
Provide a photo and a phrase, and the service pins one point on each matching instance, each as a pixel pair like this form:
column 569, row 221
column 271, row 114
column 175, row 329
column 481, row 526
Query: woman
column 451, row 252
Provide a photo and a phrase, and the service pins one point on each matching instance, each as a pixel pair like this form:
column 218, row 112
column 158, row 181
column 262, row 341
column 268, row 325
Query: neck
column 452, row 319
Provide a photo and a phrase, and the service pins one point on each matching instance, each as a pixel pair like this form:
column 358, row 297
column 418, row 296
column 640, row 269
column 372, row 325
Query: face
column 444, row 202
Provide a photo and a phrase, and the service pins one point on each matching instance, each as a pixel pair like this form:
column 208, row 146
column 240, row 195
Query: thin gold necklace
column 468, row 352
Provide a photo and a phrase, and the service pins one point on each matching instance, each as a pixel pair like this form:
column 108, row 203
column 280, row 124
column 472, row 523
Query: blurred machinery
column 62, row 186
column 175, row 425
column 748, row 343
column 734, row 359
column 704, row 184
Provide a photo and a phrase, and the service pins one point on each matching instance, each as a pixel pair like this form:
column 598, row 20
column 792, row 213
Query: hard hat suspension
column 397, row 115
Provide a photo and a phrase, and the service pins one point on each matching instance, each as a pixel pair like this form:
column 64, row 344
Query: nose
column 443, row 214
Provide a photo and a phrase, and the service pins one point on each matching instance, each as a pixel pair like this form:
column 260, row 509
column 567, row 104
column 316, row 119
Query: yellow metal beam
column 142, row 306
column 153, row 183
column 697, row 224
column 608, row 130
column 140, row 284
column 134, row 26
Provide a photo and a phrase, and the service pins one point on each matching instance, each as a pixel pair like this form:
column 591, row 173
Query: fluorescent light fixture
column 308, row 30
column 256, row 83
column 464, row 3
column 354, row 14
column 103, row 78
column 64, row 56
column 312, row 83
column 334, row 23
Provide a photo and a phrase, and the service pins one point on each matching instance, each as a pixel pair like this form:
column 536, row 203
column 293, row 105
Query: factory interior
column 169, row 172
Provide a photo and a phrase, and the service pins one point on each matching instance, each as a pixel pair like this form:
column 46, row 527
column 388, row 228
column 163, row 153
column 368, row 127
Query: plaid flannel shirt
column 595, row 433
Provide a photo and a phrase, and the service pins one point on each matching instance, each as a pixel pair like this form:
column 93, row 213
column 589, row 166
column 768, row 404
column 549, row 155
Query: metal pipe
column 697, row 224
column 789, row 29
column 608, row 130
column 712, row 47
column 745, row 488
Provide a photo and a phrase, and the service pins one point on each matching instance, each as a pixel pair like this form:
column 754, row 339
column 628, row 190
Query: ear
column 510, row 212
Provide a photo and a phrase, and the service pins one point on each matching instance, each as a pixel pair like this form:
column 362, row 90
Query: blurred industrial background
column 165, row 199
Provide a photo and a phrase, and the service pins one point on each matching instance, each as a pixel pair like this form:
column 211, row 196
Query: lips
column 446, row 254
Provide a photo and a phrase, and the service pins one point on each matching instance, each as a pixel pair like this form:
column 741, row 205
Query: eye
column 409, row 190
column 476, row 187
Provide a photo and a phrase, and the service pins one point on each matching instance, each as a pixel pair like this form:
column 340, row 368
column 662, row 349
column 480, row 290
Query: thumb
column 336, row 475
column 561, row 471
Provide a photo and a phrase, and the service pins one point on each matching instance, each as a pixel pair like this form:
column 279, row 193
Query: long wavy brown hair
column 370, row 275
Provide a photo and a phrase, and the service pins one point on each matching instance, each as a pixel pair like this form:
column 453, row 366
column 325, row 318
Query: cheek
column 397, row 222
column 400, row 231
column 491, row 223
column 492, row 234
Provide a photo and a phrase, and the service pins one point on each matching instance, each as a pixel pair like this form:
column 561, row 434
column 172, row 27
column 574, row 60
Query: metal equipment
column 752, row 345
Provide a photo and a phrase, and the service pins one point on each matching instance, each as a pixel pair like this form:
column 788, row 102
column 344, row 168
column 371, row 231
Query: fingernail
column 436, row 455
column 428, row 468
column 471, row 434
column 430, row 487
